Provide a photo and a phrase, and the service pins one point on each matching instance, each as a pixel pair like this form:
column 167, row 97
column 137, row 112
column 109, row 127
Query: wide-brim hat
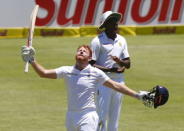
column 107, row 15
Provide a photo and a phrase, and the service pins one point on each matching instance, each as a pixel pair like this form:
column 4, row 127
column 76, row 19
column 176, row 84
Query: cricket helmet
column 157, row 96
column 107, row 15
column 161, row 95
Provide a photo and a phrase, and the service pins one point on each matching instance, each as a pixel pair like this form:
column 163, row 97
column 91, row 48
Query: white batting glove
column 27, row 54
column 142, row 94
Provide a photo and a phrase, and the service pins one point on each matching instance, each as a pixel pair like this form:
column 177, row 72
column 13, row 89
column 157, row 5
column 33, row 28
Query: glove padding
column 158, row 96
column 27, row 54
column 142, row 94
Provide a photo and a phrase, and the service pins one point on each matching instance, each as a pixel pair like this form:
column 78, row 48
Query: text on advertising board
column 159, row 10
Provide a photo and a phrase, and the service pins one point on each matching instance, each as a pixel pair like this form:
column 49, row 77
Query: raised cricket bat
column 31, row 32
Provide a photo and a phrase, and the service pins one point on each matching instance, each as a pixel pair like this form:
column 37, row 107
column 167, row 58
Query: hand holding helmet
column 158, row 96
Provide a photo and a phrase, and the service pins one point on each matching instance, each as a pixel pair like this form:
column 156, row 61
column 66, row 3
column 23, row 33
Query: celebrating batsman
column 82, row 81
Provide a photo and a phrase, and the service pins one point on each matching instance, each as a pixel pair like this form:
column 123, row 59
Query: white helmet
column 107, row 15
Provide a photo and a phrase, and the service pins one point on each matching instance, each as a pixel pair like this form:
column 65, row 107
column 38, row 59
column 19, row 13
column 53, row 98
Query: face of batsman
column 83, row 54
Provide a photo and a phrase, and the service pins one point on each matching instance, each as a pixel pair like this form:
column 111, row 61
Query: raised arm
column 28, row 56
column 42, row 72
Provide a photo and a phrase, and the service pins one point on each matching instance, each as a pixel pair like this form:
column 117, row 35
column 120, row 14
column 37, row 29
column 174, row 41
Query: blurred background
column 154, row 32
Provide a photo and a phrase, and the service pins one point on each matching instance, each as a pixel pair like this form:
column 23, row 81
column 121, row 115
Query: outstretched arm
column 156, row 97
column 122, row 88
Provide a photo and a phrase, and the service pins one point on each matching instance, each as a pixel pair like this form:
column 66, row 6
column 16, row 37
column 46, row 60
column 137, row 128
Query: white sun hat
column 107, row 15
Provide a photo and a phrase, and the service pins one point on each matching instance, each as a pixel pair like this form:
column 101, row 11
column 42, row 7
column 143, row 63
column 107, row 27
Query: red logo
column 160, row 10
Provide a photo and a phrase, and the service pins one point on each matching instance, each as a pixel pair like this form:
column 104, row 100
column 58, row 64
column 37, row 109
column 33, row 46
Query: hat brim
column 115, row 15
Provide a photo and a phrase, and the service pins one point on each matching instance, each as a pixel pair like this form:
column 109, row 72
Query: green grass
column 30, row 103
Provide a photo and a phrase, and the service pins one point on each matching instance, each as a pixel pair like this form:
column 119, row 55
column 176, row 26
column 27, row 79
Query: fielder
column 82, row 81
column 110, row 54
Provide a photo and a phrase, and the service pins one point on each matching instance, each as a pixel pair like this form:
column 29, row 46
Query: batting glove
column 146, row 98
column 27, row 54
column 142, row 94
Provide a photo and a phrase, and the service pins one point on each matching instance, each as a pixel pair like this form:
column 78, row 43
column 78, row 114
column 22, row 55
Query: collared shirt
column 81, row 85
column 103, row 48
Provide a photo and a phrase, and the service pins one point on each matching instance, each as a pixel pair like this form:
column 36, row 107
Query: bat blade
column 31, row 32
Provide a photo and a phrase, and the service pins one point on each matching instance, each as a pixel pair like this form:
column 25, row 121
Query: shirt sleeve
column 125, row 53
column 60, row 72
column 102, row 77
column 95, row 47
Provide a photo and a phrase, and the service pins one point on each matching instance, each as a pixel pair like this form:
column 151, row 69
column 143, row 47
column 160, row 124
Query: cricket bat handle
column 26, row 68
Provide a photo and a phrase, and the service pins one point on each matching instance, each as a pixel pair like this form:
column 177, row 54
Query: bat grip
column 26, row 68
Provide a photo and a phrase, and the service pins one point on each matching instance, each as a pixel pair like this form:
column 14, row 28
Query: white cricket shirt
column 81, row 85
column 103, row 48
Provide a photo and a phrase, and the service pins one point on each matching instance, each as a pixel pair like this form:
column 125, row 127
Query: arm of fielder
column 122, row 62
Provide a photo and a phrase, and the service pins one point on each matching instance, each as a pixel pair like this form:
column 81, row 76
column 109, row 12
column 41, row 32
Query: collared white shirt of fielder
column 103, row 48
column 109, row 101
